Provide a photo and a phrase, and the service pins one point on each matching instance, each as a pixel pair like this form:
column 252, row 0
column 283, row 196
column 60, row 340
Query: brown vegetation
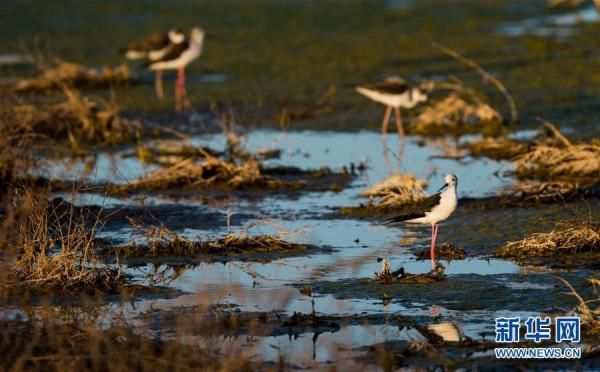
column 161, row 241
column 457, row 113
column 565, row 239
column 77, row 118
column 447, row 251
column 398, row 189
column 51, row 247
column 590, row 315
column 15, row 143
column 498, row 148
column 573, row 160
column 210, row 173
column 74, row 75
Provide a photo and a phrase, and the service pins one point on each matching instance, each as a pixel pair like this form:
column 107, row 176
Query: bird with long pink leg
column 178, row 58
column 432, row 211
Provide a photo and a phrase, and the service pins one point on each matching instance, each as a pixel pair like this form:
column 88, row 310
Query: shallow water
column 559, row 26
column 353, row 246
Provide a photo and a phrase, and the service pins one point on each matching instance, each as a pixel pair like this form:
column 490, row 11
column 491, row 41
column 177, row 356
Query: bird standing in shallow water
column 433, row 210
column 178, row 58
column 154, row 47
column 394, row 93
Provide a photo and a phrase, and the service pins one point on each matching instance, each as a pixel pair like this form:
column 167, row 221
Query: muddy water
column 338, row 274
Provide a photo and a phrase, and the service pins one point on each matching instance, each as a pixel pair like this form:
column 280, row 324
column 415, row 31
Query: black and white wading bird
column 394, row 93
column 433, row 210
column 153, row 47
column 177, row 58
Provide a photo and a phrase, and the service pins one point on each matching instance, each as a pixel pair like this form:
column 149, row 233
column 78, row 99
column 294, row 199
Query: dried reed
column 457, row 113
column 54, row 247
column 77, row 118
column 578, row 160
column 74, row 75
column 565, row 239
column 590, row 316
column 161, row 241
column 210, row 173
column 396, row 190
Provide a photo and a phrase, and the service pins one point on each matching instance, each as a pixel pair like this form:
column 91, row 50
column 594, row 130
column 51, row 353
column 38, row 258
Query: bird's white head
column 418, row 95
column 176, row 36
column 451, row 181
column 197, row 35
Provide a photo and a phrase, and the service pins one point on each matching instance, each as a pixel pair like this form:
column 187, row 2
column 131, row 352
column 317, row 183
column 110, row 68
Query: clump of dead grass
column 565, row 239
column 554, row 156
column 457, row 113
column 396, row 190
column 53, row 78
column 498, row 148
column 161, row 241
column 77, row 118
column 53, row 247
column 575, row 160
column 210, row 173
column 526, row 191
column 16, row 154
column 589, row 315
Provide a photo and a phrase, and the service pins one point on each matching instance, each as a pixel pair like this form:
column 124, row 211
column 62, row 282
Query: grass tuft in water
column 565, row 239
column 75, row 75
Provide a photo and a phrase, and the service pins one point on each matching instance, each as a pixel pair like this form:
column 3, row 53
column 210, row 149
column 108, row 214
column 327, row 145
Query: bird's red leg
column 434, row 230
column 399, row 125
column 178, row 90
column 384, row 123
column 186, row 102
column 158, row 84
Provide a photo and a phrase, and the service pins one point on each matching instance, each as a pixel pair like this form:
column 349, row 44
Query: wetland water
column 547, row 58
column 352, row 248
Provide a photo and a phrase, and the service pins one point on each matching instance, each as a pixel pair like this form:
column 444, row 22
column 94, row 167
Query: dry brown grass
column 565, row 239
column 590, row 315
column 526, row 191
column 16, row 154
column 78, row 118
column 498, row 148
column 65, row 73
column 210, row 173
column 396, row 190
column 457, row 113
column 51, row 247
column 576, row 160
column 161, row 241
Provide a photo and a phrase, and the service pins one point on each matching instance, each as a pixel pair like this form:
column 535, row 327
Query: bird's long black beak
column 443, row 187
column 211, row 36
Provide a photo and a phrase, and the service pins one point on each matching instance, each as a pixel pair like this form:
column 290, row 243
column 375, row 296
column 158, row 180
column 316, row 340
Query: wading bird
column 177, row 58
column 153, row 47
column 433, row 210
column 394, row 93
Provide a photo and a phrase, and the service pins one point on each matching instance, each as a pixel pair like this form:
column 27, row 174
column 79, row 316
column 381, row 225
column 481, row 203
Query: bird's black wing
column 174, row 52
column 154, row 41
column 418, row 211
column 389, row 87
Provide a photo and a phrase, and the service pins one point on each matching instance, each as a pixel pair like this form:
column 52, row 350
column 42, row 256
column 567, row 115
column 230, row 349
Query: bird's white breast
column 388, row 99
column 442, row 211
